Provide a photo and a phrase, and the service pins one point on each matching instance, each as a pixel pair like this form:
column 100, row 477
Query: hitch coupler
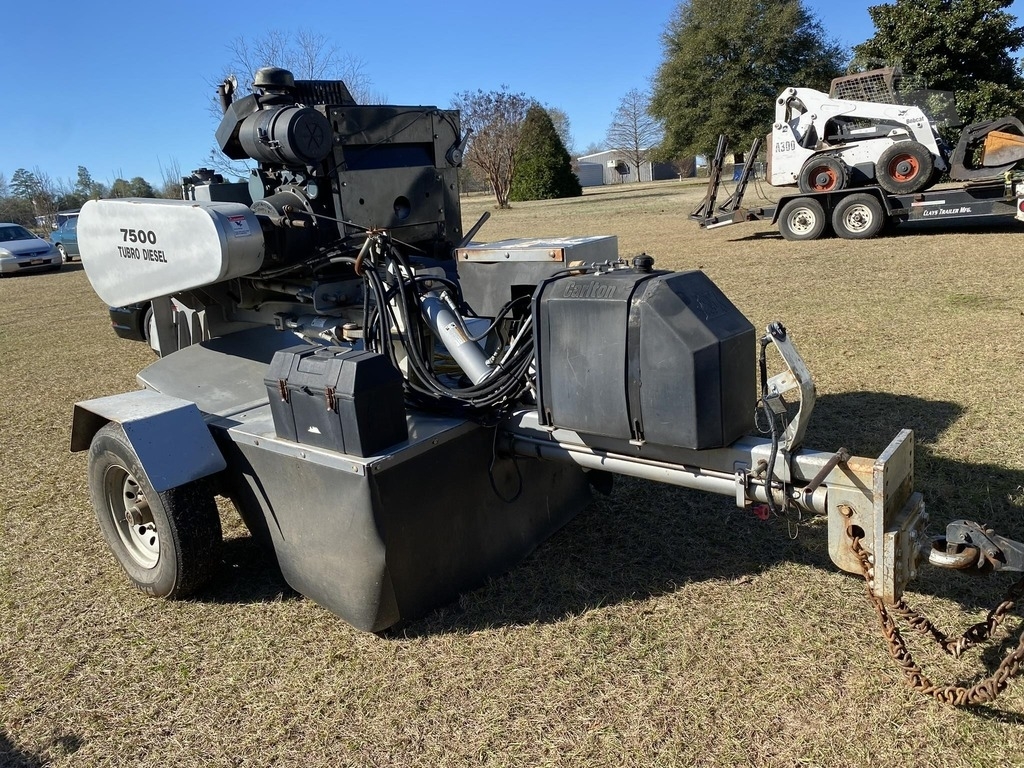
column 970, row 546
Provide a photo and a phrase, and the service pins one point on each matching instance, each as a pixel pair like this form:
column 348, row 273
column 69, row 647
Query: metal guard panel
column 168, row 435
column 137, row 249
column 377, row 547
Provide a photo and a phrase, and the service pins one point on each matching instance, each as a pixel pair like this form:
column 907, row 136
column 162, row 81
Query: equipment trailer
column 399, row 412
column 858, row 213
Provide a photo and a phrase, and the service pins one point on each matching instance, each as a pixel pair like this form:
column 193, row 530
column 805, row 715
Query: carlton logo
column 588, row 290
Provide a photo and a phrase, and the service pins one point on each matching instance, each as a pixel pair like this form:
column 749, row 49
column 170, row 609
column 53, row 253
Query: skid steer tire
column 802, row 219
column 168, row 543
column 858, row 217
column 904, row 168
column 823, row 173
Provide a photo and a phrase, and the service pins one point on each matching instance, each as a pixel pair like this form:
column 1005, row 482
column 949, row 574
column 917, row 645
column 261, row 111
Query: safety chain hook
column 982, row 692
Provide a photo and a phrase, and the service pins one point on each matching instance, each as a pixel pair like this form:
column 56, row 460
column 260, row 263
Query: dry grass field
column 662, row 627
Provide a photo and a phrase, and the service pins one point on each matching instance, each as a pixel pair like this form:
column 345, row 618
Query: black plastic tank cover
column 653, row 357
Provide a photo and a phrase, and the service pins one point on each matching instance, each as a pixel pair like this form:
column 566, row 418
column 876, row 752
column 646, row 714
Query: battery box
column 345, row 400
column 653, row 357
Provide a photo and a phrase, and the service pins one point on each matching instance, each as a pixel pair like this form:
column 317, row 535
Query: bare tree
column 633, row 131
column 170, row 180
column 220, row 163
column 496, row 120
column 46, row 202
column 308, row 55
column 560, row 119
column 65, row 196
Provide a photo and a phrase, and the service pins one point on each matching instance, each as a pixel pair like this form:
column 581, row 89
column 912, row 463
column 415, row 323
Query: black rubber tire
column 859, row 216
column 904, row 168
column 802, row 219
column 171, row 545
column 147, row 319
column 63, row 254
column 823, row 173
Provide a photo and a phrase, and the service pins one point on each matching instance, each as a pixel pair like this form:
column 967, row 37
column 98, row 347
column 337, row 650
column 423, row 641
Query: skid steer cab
column 399, row 412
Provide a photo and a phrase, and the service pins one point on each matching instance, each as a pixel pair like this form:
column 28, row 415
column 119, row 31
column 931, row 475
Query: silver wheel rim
column 133, row 520
column 858, row 218
column 802, row 221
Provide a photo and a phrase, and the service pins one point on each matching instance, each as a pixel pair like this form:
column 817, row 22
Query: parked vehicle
column 132, row 321
column 65, row 238
column 21, row 251
column 859, row 213
column 823, row 144
column 861, row 134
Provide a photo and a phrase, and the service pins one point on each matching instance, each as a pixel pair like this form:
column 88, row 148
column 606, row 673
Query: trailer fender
column 168, row 434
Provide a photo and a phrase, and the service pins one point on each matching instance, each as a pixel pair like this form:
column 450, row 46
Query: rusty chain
column 982, row 692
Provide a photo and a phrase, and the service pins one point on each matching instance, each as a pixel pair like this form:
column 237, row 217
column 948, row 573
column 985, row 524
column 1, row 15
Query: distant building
column 612, row 167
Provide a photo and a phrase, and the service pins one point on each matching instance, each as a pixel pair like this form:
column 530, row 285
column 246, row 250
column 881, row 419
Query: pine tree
column 543, row 169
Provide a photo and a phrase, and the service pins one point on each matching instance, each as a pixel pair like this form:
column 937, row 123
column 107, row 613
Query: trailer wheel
column 802, row 219
column 823, row 173
column 168, row 543
column 904, row 168
column 858, row 217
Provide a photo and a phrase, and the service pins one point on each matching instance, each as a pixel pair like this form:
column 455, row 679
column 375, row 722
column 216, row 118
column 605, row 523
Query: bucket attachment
column 987, row 150
column 1002, row 148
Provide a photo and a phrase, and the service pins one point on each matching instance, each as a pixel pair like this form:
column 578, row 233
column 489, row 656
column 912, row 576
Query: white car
column 21, row 251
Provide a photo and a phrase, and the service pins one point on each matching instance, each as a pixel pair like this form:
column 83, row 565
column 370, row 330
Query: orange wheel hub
column 904, row 168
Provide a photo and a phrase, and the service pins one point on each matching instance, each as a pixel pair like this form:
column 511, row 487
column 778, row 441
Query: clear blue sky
column 124, row 88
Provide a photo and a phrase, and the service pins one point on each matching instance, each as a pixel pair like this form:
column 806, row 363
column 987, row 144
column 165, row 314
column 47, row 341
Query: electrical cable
column 502, row 313
column 773, row 426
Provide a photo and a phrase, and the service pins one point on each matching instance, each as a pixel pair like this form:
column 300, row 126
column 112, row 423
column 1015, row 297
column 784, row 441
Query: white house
column 612, row 167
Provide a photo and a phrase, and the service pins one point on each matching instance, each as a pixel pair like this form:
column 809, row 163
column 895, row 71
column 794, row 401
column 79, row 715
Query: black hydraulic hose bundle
column 396, row 316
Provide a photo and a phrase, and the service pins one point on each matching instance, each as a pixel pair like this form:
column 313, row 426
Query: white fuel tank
column 135, row 249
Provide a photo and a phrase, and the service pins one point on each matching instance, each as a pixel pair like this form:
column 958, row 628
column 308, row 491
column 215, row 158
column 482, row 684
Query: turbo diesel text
column 145, row 254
